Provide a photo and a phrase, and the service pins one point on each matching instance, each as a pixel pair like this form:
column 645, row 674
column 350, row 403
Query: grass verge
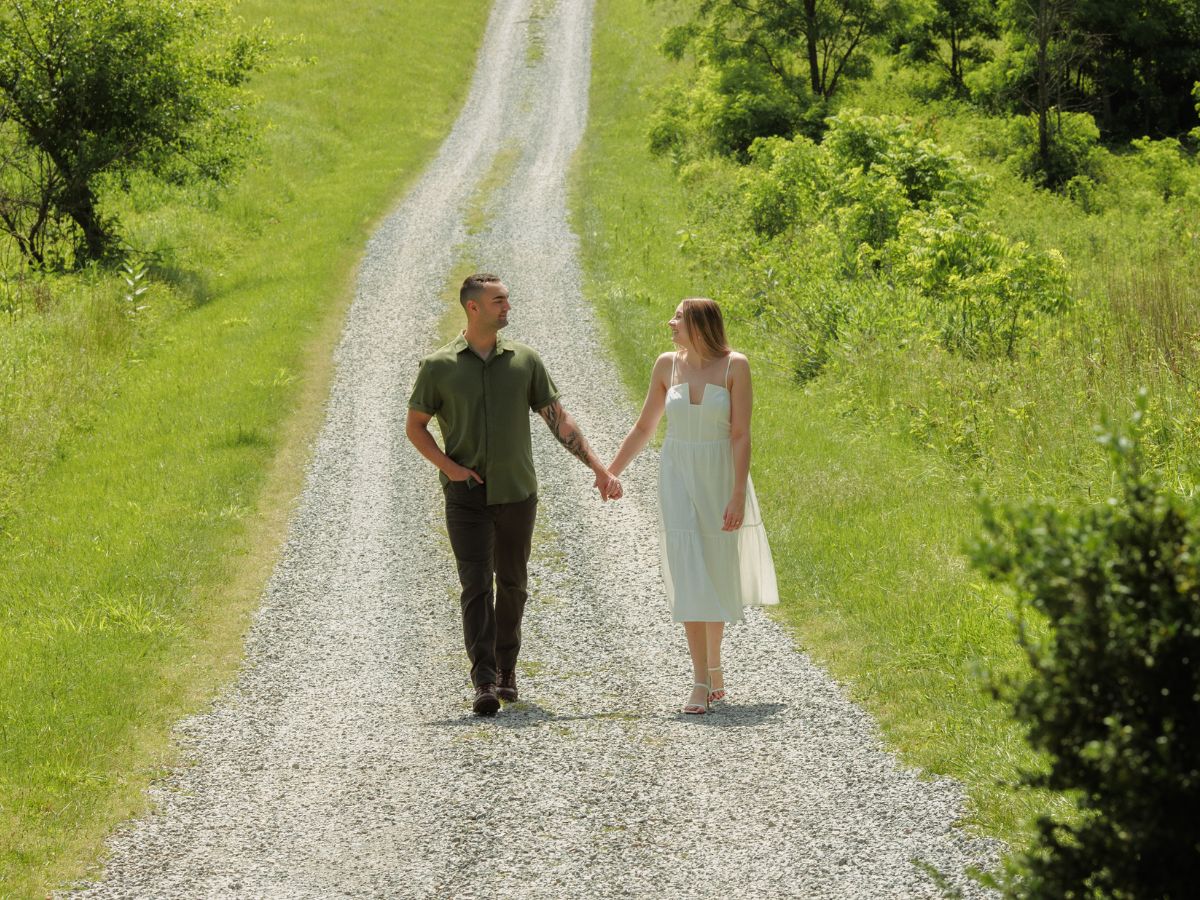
column 867, row 530
column 134, row 559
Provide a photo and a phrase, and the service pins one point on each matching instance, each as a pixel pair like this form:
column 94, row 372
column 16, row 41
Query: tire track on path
column 345, row 761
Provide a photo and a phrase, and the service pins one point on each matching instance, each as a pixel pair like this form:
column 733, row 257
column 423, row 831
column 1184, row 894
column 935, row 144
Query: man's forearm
column 563, row 427
column 428, row 447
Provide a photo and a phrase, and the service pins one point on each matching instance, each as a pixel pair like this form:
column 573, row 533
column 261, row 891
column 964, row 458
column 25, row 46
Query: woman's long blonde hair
column 705, row 327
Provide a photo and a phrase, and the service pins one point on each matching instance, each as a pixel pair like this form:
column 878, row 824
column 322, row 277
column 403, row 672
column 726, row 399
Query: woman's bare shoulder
column 663, row 363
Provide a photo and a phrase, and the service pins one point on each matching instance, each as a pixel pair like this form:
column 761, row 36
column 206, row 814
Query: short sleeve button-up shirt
column 482, row 407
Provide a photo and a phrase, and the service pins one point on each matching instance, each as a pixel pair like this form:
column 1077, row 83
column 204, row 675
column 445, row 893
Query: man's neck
column 483, row 342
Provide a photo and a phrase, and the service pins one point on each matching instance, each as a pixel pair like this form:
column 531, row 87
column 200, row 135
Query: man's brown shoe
column 506, row 685
column 486, row 702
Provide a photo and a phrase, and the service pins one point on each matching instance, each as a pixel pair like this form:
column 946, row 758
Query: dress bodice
column 700, row 422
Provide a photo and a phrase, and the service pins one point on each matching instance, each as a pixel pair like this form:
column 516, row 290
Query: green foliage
column 94, row 90
column 876, row 228
column 1129, row 62
column 1165, row 164
column 1145, row 58
column 982, row 291
column 1196, row 97
column 867, row 173
column 764, row 68
column 951, row 35
column 1072, row 148
column 888, row 146
column 1114, row 695
column 723, row 111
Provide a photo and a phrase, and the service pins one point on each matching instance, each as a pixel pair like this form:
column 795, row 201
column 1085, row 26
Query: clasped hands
column 609, row 485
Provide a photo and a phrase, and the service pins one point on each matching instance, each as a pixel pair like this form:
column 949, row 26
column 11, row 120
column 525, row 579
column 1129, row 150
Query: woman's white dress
column 710, row 574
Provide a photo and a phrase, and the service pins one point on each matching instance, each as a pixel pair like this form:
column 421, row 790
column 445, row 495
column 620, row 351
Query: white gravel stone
column 345, row 762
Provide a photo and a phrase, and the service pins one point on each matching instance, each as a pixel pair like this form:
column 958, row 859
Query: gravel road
column 345, row 760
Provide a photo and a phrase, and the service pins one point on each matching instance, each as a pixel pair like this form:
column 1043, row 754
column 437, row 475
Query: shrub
column 867, row 173
column 874, row 211
column 1195, row 133
column 786, row 185
column 1073, row 149
column 1163, row 162
column 888, row 145
column 1113, row 699
column 721, row 111
column 982, row 291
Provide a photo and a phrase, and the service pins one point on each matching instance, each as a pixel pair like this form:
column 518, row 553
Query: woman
column 715, row 557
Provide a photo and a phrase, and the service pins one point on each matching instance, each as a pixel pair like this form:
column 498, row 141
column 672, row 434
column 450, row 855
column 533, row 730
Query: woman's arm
column 741, row 400
column 652, row 410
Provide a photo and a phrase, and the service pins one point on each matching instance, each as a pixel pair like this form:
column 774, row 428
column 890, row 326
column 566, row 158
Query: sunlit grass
column 139, row 536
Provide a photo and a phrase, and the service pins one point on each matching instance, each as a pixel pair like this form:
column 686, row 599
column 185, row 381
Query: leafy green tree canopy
column 93, row 90
column 780, row 61
column 952, row 34
column 1129, row 63
column 1147, row 59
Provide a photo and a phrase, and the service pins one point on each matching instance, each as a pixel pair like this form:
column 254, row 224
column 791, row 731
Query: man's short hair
column 472, row 288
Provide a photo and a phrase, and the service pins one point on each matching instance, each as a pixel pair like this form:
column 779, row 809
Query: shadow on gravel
column 734, row 715
column 529, row 715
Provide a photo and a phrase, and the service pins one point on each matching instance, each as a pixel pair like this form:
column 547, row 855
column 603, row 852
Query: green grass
column 136, row 547
column 1024, row 426
column 867, row 529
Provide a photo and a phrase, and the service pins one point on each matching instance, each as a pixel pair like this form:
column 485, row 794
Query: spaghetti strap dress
column 709, row 574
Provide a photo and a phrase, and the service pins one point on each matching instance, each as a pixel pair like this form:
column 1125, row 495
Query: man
column 481, row 389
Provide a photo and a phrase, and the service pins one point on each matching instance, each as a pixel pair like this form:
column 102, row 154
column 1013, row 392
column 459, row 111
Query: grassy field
column 867, row 529
column 1133, row 261
column 150, row 459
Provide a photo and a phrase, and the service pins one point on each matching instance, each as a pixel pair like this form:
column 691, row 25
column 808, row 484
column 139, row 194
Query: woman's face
column 679, row 331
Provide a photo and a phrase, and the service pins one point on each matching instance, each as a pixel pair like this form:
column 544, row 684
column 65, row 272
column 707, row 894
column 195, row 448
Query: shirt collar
column 460, row 344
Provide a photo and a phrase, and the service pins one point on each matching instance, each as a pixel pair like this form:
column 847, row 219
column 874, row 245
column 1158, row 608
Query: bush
column 722, row 111
column 1114, row 695
column 982, row 292
column 1165, row 165
column 867, row 173
column 786, row 184
column 1074, row 149
column 888, row 145
column 1195, row 133
column 872, row 229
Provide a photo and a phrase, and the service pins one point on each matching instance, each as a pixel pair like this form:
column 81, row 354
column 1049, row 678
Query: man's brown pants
column 490, row 541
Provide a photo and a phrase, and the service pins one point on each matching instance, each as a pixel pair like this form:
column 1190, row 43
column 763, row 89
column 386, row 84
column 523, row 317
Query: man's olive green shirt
column 483, row 411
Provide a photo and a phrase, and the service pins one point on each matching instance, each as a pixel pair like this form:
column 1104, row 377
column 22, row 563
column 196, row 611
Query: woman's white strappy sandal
column 695, row 709
column 719, row 694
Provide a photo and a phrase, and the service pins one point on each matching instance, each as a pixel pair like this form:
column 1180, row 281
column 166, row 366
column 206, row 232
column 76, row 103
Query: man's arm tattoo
column 569, row 436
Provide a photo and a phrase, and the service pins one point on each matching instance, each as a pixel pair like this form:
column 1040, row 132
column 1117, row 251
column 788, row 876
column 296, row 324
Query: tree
column 94, row 90
column 1149, row 58
column 952, row 35
column 798, row 52
column 28, row 181
column 1055, row 52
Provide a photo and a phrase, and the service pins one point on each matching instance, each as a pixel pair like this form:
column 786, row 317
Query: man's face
column 494, row 306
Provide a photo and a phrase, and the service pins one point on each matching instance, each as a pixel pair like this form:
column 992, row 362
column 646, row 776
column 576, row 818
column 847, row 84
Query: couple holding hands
column 715, row 557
